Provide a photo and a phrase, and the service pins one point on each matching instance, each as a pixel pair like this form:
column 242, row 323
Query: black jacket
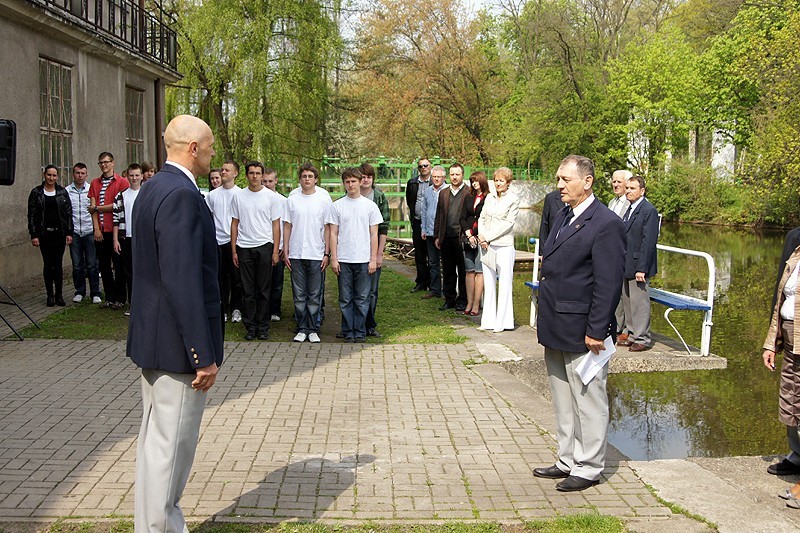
column 36, row 211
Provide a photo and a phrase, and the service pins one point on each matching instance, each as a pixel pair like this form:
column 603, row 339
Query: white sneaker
column 300, row 337
column 313, row 337
column 96, row 300
column 275, row 318
column 236, row 316
column 225, row 317
column 127, row 313
column 77, row 298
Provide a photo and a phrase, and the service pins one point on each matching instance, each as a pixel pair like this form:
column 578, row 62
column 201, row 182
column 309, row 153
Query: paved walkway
column 329, row 431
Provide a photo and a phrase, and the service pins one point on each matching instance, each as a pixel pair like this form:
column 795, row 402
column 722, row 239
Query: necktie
column 627, row 214
column 567, row 217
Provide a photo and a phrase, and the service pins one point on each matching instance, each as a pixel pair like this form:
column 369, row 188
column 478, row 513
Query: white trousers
column 498, row 305
column 581, row 414
column 172, row 412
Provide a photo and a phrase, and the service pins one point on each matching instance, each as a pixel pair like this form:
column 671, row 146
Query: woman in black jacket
column 473, row 205
column 50, row 226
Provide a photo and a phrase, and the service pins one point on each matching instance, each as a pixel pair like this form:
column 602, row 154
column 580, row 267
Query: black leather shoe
column 784, row 468
column 250, row 335
column 550, row 472
column 263, row 336
column 372, row 332
column 575, row 483
column 446, row 306
column 418, row 288
column 51, row 301
column 340, row 335
column 60, row 301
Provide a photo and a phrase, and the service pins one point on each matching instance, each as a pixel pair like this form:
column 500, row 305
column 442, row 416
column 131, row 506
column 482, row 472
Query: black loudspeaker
column 8, row 151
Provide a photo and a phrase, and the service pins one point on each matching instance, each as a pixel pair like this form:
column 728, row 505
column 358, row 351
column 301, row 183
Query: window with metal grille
column 55, row 116
column 134, row 125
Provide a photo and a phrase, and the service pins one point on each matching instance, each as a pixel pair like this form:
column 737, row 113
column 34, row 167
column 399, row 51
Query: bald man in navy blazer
column 175, row 333
column 581, row 282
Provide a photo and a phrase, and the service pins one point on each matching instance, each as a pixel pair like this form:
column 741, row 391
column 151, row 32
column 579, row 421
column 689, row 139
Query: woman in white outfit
column 496, row 227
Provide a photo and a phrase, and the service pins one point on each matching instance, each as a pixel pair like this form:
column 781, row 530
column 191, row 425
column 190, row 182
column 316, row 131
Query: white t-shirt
column 307, row 213
column 299, row 190
column 282, row 202
column 255, row 211
column 219, row 202
column 354, row 216
column 128, row 199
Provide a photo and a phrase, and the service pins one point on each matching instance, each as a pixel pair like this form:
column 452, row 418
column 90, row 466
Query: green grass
column 570, row 524
column 403, row 317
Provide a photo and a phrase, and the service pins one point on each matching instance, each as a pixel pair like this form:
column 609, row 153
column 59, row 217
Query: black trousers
column 453, row 272
column 230, row 280
column 423, row 278
column 255, row 266
column 111, row 269
column 52, row 245
column 127, row 264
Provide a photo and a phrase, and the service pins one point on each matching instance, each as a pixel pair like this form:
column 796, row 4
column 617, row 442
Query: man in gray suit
column 175, row 334
column 619, row 205
column 641, row 230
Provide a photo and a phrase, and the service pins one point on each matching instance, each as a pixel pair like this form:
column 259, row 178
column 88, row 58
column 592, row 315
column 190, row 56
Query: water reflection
column 708, row 413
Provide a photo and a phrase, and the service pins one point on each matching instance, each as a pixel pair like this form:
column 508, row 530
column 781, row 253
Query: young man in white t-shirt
column 255, row 223
column 306, row 252
column 123, row 224
column 354, row 253
column 270, row 181
column 219, row 202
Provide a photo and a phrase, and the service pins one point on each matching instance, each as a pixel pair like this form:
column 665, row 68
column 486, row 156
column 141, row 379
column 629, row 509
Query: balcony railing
column 125, row 22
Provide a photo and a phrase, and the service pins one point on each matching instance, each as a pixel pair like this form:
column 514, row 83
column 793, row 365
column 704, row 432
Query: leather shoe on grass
column 575, row 483
column 550, row 472
column 637, row 347
column 418, row 288
column 784, row 468
column 446, row 306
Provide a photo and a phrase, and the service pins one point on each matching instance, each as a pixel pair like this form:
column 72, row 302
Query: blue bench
column 673, row 301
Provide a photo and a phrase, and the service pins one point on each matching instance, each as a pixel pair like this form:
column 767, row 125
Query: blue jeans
column 307, row 290
column 354, row 283
column 84, row 261
column 434, row 264
column 374, row 279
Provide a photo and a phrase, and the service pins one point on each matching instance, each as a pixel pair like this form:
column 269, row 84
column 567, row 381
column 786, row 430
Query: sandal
column 474, row 313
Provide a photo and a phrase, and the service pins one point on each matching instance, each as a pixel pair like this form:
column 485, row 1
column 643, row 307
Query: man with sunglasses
column 102, row 192
column 414, row 189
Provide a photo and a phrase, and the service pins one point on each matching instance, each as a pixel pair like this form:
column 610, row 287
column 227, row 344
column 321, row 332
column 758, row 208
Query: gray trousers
column 636, row 302
column 581, row 415
column 620, row 316
column 171, row 416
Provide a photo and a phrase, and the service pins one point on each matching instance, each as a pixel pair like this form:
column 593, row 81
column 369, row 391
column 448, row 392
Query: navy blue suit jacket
column 550, row 210
column 641, row 230
column 176, row 322
column 581, row 279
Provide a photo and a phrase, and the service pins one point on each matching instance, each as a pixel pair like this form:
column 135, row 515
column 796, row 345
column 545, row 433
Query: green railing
column 392, row 174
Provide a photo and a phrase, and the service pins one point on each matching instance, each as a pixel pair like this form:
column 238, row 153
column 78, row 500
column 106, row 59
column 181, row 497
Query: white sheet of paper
column 489, row 258
column 591, row 363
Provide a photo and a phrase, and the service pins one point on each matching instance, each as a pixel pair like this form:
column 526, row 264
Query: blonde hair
column 504, row 172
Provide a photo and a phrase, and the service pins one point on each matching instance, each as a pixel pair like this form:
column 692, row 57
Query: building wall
column 98, row 121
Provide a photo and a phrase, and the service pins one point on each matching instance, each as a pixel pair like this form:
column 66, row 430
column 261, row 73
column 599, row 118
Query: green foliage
column 691, row 193
column 257, row 72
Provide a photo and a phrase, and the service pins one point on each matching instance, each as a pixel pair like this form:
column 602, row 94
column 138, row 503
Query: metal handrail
column 125, row 23
column 705, row 339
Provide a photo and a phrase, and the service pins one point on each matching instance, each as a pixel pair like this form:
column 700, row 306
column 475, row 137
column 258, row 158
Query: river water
column 711, row 413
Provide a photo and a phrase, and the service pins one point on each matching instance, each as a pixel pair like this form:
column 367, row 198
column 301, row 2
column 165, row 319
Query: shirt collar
column 185, row 171
column 635, row 204
column 74, row 188
column 583, row 206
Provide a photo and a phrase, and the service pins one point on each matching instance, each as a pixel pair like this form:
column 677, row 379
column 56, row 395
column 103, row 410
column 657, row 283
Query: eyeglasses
column 101, row 163
column 423, row 166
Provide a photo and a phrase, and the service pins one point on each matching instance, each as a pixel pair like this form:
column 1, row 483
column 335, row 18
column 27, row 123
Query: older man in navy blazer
column 582, row 267
column 641, row 230
column 175, row 333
